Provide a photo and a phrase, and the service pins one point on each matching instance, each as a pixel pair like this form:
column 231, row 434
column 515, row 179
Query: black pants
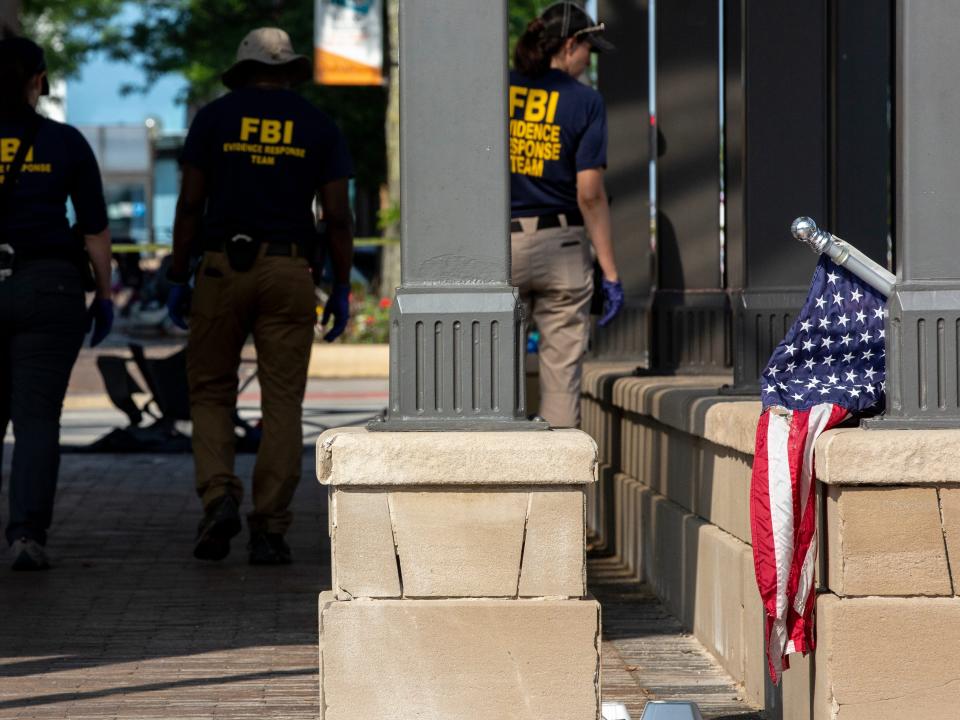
column 42, row 324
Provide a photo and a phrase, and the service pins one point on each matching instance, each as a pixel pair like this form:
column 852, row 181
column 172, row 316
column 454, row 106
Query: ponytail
column 535, row 50
column 14, row 79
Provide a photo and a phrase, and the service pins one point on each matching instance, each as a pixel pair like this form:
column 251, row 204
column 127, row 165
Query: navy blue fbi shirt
column 265, row 152
column 558, row 127
column 60, row 165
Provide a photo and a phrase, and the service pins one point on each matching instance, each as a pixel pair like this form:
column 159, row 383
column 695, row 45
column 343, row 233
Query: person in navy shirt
column 253, row 163
column 43, row 271
column 558, row 154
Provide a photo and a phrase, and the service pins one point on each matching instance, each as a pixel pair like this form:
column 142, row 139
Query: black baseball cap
column 27, row 54
column 567, row 19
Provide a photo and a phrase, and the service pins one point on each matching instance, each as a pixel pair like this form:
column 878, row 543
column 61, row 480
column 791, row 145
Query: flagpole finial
column 843, row 254
column 806, row 231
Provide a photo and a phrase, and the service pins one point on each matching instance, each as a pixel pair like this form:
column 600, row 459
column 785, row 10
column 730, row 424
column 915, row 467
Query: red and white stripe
column 784, row 526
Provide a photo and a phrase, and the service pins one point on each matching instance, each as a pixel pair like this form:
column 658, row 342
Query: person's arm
column 334, row 199
column 86, row 193
column 186, row 224
column 98, row 248
column 592, row 200
column 336, row 214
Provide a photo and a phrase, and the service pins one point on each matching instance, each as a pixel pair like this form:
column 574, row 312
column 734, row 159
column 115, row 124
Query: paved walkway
column 128, row 625
column 647, row 656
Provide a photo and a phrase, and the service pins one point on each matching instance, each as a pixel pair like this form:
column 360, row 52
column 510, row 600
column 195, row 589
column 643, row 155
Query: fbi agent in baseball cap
column 558, row 154
column 43, row 273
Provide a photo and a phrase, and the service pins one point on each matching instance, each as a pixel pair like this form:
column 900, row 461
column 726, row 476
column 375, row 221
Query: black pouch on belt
column 242, row 251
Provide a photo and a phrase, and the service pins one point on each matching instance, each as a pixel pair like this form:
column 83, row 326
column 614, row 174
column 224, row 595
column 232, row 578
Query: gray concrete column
column 623, row 81
column 861, row 140
column 807, row 127
column 456, row 356
column 923, row 330
column 778, row 164
column 691, row 311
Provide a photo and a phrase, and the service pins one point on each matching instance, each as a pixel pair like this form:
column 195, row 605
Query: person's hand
column 100, row 320
column 178, row 305
column 337, row 306
column 612, row 301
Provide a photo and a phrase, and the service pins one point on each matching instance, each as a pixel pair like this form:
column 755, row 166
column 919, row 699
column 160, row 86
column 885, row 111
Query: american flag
column 828, row 367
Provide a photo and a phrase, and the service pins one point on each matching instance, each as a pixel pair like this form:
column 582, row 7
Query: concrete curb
column 349, row 361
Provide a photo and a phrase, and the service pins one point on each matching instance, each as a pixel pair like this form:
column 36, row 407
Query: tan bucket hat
column 271, row 47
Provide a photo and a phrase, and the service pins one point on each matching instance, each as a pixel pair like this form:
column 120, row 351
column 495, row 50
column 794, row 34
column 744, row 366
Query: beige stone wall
column 459, row 577
column 458, row 543
column 481, row 659
column 672, row 503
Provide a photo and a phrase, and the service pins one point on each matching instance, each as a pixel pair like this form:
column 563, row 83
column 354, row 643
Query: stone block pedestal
column 459, row 576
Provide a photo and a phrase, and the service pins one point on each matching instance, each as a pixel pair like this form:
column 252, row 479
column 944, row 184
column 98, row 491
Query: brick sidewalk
column 129, row 625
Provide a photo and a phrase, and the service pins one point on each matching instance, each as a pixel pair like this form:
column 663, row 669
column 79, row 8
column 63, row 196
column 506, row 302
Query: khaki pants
column 275, row 301
column 554, row 272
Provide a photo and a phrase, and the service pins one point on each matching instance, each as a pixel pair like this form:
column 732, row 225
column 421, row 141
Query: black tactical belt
column 33, row 253
column 552, row 220
column 278, row 249
column 274, row 249
column 13, row 257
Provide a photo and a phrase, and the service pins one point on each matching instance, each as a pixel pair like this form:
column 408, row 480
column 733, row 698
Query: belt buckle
column 7, row 254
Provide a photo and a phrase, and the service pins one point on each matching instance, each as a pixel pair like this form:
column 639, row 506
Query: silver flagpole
column 844, row 254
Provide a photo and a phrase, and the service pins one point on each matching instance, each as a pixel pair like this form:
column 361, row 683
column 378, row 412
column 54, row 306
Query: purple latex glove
column 178, row 305
column 612, row 301
column 100, row 319
column 337, row 306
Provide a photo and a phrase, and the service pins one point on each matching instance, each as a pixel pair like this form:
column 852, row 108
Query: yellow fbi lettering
column 263, row 140
column 534, row 138
column 538, row 105
column 8, row 153
column 8, row 150
column 268, row 132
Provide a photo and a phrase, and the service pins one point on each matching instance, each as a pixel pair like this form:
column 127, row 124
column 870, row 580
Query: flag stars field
column 850, row 316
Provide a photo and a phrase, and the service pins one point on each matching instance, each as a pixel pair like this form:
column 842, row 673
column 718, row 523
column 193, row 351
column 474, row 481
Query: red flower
column 385, row 303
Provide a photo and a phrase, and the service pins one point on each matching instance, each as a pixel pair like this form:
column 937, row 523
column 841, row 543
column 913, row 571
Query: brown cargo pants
column 554, row 271
column 275, row 301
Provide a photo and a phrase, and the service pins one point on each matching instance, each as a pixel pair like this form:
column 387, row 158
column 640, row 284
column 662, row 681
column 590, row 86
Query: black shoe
column 29, row 555
column 268, row 549
column 220, row 523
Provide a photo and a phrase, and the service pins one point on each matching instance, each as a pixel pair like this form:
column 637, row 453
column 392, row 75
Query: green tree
column 519, row 13
column 68, row 30
column 198, row 39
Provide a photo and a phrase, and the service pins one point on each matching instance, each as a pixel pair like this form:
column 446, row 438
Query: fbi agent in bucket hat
column 253, row 163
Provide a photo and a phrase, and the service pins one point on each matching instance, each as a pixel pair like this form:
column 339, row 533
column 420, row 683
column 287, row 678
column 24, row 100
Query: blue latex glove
column 178, row 305
column 338, row 306
column 100, row 319
column 612, row 301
